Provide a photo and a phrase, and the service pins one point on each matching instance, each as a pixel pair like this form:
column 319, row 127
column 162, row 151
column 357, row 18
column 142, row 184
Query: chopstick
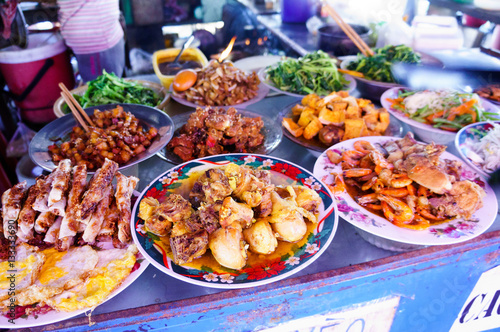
column 349, row 31
column 75, row 108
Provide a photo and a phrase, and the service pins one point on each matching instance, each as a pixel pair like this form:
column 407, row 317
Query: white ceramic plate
column 261, row 94
column 466, row 137
column 268, row 269
column 451, row 232
column 425, row 132
column 255, row 63
column 351, row 84
column 54, row 316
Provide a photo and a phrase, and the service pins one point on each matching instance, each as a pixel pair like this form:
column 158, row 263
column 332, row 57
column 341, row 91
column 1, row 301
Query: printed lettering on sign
column 481, row 310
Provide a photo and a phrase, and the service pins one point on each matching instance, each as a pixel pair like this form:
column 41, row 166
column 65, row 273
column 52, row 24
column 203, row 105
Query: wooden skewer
column 349, row 31
column 71, row 101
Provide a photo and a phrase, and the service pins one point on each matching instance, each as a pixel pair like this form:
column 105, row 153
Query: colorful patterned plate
column 267, row 270
column 451, row 232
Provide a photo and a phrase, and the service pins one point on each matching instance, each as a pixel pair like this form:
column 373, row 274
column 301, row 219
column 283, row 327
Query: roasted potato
column 260, row 237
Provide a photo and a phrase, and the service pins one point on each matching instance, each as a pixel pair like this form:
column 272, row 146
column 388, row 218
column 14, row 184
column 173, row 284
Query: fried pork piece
column 108, row 227
column 44, row 221
column 464, row 198
column 260, row 237
column 11, row 207
column 124, row 188
column 27, row 215
column 211, row 187
column 173, row 209
column 53, row 232
column 100, row 181
column 69, row 224
column 97, row 219
column 42, row 199
column 60, row 184
column 227, row 246
column 189, row 246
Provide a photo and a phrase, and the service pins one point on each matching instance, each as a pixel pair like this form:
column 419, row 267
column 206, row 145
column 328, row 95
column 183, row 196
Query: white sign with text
column 481, row 311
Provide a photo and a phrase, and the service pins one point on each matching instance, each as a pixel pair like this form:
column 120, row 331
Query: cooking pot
column 333, row 39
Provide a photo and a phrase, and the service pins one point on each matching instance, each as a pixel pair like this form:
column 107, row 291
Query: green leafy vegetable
column 109, row 89
column 378, row 66
column 313, row 73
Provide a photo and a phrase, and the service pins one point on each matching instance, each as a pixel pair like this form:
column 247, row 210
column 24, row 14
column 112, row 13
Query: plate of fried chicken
column 406, row 191
column 234, row 220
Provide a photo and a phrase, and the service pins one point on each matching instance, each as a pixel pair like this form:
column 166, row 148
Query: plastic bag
column 396, row 32
column 19, row 143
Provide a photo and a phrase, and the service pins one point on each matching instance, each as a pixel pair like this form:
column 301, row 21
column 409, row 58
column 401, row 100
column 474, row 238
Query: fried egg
column 23, row 272
column 113, row 267
column 60, row 271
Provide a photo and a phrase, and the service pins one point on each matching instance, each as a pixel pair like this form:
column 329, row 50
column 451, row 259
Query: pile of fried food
column 211, row 131
column 221, row 84
column 117, row 135
column 336, row 117
column 491, row 92
column 229, row 210
column 66, row 241
column 407, row 182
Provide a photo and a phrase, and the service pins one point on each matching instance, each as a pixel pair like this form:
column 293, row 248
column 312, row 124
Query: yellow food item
column 313, row 113
column 292, row 127
column 354, row 128
column 312, row 129
column 184, row 79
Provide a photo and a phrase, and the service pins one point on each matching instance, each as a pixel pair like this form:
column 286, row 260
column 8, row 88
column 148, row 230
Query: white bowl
column 466, row 137
column 423, row 131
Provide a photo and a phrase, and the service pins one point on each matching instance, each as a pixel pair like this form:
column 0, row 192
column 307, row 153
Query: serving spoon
column 175, row 64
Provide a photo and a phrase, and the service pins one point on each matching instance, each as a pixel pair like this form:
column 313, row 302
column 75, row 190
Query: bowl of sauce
column 191, row 58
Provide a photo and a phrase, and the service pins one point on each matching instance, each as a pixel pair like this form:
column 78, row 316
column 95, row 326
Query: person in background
column 91, row 28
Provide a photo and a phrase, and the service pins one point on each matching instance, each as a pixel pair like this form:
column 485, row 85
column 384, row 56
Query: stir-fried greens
column 110, row 89
column 378, row 66
column 448, row 110
column 315, row 72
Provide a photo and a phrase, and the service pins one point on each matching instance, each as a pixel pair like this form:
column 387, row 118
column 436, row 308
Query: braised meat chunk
column 211, row 131
column 189, row 246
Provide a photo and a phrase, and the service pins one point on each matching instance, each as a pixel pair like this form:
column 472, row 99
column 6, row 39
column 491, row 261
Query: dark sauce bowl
column 332, row 39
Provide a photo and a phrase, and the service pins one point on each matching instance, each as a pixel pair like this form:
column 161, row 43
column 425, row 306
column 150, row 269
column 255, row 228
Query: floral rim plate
column 272, row 135
column 54, row 316
column 266, row 271
column 261, row 94
column 395, row 129
column 61, row 128
column 466, row 137
column 393, row 93
column 451, row 232
column 351, row 85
